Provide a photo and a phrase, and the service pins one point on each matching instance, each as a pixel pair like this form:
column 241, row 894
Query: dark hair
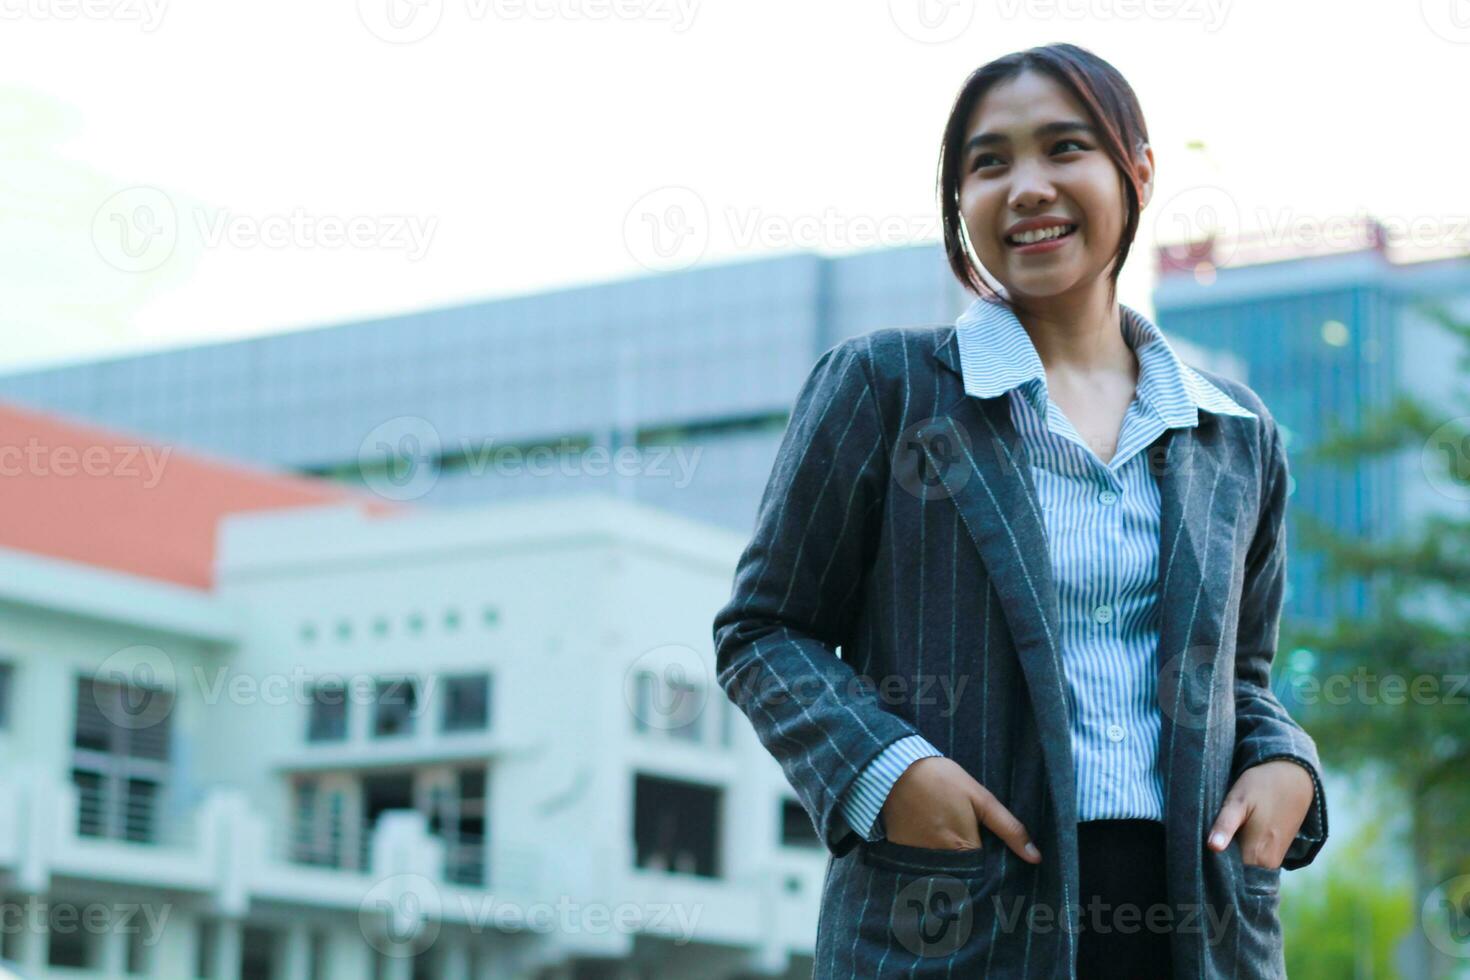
column 1103, row 92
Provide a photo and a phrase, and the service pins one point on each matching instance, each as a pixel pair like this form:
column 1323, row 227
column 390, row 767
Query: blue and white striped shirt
column 1102, row 525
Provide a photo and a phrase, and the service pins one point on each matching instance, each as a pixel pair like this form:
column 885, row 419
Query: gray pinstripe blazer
column 898, row 582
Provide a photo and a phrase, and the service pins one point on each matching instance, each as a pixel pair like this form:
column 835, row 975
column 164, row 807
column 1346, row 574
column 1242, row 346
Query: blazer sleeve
column 1263, row 729
column 797, row 589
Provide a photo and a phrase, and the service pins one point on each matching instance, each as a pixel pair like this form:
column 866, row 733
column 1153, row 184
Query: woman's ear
column 1144, row 167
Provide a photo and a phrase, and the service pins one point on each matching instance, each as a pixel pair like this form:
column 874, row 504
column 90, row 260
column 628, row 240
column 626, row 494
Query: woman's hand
column 1267, row 804
column 936, row 804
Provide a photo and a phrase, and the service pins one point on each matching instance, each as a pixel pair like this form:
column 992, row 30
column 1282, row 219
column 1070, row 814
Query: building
column 671, row 390
column 1324, row 337
column 342, row 739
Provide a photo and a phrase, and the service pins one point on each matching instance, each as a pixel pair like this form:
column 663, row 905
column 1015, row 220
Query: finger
column 1001, row 822
column 1231, row 816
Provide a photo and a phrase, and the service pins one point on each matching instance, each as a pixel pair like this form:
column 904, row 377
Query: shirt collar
column 996, row 355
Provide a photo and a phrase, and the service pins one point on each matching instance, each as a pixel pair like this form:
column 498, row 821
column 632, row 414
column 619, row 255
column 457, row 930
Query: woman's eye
column 980, row 160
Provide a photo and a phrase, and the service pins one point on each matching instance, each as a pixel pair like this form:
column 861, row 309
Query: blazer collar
column 993, row 353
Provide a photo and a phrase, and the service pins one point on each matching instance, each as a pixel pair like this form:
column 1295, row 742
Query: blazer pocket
column 906, row 859
column 1259, row 880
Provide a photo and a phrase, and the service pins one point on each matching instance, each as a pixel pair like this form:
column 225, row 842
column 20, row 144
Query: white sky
column 521, row 141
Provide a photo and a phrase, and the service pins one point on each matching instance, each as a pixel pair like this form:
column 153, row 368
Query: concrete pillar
column 296, row 953
column 453, row 958
column 32, row 940
column 228, row 945
column 111, row 951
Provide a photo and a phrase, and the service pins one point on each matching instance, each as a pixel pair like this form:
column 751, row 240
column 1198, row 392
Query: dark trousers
column 1121, row 863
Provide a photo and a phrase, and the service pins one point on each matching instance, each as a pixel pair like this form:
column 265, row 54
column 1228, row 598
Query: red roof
column 116, row 500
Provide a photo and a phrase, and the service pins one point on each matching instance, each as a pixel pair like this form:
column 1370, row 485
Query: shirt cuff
column 862, row 805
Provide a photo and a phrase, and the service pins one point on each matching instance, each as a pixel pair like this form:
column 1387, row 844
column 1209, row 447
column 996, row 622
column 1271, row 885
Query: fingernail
column 1218, row 840
column 1030, row 849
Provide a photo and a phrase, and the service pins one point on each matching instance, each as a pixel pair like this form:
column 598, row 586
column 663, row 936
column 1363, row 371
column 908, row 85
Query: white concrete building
column 458, row 742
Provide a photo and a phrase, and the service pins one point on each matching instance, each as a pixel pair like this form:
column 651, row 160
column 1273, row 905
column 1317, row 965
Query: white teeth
column 1031, row 237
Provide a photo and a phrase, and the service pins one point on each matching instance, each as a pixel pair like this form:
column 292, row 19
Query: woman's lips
column 1048, row 245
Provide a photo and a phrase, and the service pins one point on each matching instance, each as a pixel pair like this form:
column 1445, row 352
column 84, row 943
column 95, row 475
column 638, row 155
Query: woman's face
column 1010, row 172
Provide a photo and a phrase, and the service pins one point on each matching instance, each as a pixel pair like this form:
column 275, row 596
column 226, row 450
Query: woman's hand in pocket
column 937, row 804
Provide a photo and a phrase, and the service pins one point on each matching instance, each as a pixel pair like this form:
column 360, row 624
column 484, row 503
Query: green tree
column 1387, row 689
column 1347, row 923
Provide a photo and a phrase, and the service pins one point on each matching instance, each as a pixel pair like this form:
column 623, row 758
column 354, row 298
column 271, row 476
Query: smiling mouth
column 1051, row 236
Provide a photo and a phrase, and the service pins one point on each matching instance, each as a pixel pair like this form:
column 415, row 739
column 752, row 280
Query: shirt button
column 1103, row 613
column 1107, row 497
column 1115, row 732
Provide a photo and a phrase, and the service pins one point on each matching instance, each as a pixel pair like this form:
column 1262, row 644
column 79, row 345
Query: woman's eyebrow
column 1044, row 130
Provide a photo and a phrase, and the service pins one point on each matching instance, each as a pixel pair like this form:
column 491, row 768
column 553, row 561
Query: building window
column 7, row 671
column 257, row 952
column 796, row 826
column 466, row 703
column 316, row 825
column 676, row 826
column 120, row 753
column 69, row 941
column 667, row 704
column 327, row 714
column 396, row 703
column 206, row 934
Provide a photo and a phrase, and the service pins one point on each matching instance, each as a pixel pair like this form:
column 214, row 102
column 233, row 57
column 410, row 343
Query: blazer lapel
column 974, row 450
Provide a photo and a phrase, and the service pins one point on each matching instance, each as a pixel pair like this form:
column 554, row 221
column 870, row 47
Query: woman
column 1008, row 614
